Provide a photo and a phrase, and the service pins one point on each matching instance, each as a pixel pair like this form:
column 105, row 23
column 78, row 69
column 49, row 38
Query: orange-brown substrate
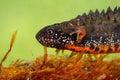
column 63, row 68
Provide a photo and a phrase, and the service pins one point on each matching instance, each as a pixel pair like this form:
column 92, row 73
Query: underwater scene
column 59, row 40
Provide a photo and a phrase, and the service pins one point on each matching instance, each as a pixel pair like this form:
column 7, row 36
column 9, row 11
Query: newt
column 94, row 33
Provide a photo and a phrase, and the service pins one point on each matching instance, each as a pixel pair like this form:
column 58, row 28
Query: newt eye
column 50, row 31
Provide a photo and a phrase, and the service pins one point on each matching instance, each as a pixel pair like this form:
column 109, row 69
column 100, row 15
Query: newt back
column 93, row 33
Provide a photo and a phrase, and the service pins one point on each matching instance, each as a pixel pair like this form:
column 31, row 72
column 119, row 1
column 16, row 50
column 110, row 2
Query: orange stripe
column 87, row 49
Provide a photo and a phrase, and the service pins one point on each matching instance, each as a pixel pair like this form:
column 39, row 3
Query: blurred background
column 29, row 16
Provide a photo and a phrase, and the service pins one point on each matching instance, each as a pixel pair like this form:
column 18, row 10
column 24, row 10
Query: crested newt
column 95, row 33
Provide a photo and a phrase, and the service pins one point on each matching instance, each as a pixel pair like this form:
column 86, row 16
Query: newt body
column 93, row 33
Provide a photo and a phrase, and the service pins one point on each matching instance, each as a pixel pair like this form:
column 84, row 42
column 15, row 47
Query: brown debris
column 63, row 68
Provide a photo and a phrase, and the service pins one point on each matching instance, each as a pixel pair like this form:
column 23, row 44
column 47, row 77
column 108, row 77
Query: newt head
column 54, row 36
column 57, row 36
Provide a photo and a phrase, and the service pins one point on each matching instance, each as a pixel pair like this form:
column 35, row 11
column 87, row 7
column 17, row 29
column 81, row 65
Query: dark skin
column 93, row 33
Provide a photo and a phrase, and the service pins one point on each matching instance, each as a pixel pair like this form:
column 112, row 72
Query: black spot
column 109, row 49
column 101, row 51
column 116, row 46
column 97, row 49
column 73, row 37
column 88, row 52
column 72, row 49
column 92, row 46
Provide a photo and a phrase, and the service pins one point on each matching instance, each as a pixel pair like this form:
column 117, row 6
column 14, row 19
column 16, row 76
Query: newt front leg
column 81, row 32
